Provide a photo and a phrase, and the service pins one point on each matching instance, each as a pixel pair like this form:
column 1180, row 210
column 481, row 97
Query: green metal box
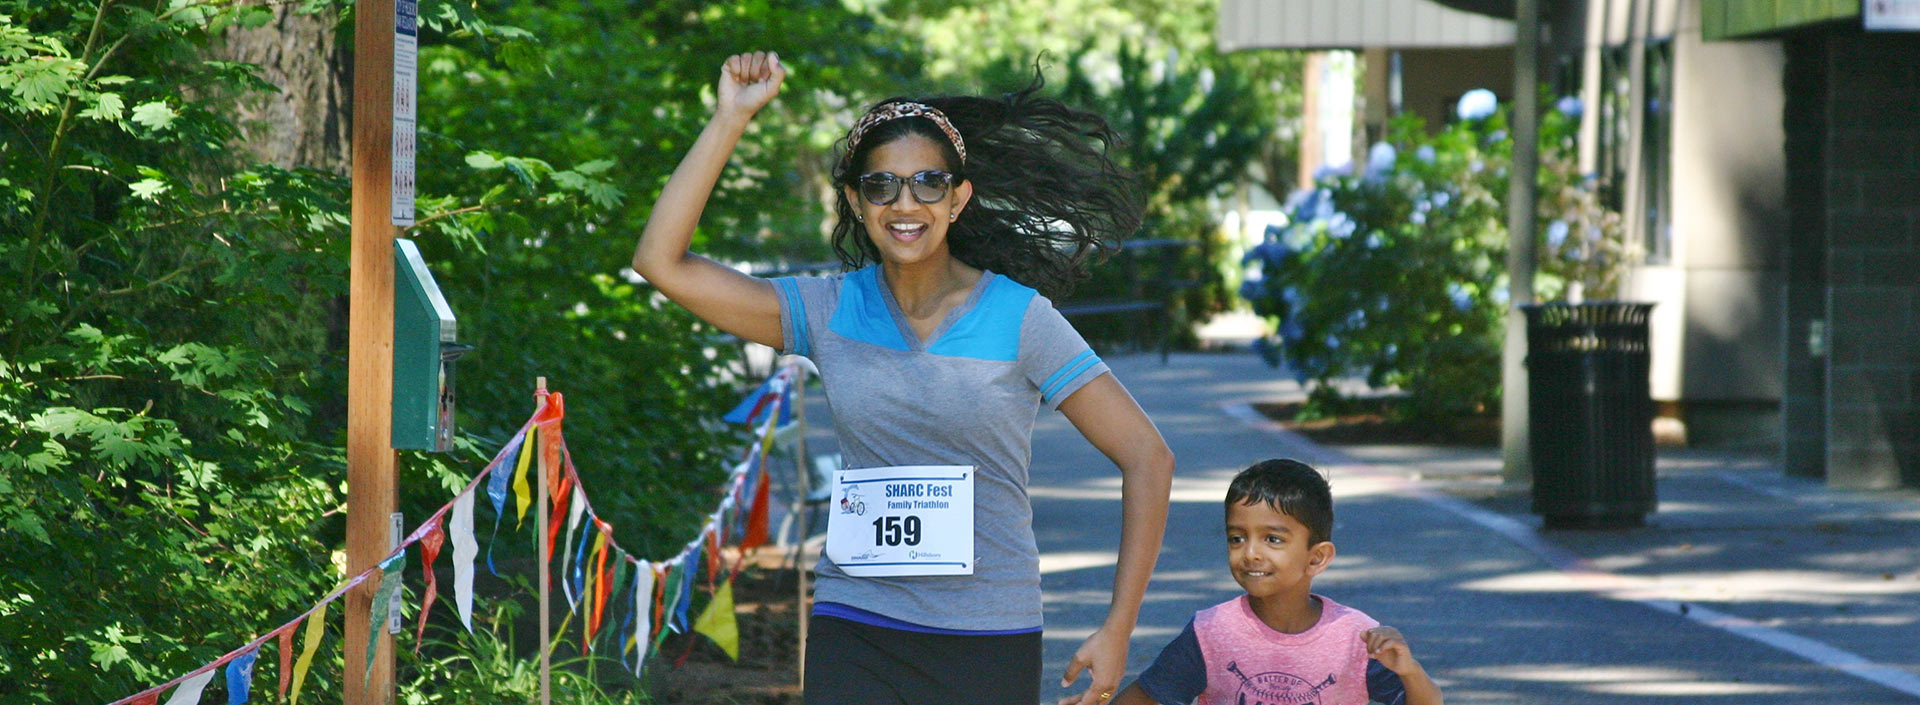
column 423, row 355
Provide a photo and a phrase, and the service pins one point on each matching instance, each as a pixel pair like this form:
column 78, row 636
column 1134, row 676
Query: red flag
column 713, row 557
column 286, row 658
column 429, row 550
column 662, row 574
column 597, row 607
column 757, row 533
column 148, row 699
column 560, row 498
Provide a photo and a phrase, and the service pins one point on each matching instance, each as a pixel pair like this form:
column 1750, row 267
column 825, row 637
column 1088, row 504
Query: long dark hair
column 1046, row 195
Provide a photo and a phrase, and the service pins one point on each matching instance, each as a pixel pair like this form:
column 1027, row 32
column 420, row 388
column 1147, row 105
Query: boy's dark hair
column 1292, row 487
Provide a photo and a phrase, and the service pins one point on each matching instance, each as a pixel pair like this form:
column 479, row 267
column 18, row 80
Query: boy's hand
column 1386, row 645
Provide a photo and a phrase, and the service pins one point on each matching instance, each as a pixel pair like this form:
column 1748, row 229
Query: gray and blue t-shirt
column 967, row 395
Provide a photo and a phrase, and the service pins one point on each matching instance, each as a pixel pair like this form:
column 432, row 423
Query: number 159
column 892, row 531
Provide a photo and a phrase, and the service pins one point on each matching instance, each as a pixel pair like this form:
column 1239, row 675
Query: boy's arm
column 1386, row 645
column 1178, row 675
column 1133, row 695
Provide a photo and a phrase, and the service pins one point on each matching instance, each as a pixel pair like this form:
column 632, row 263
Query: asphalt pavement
column 1746, row 586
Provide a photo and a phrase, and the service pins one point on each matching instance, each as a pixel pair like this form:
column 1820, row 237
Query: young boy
column 1280, row 644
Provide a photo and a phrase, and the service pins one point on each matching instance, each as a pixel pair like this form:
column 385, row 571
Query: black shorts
column 849, row 663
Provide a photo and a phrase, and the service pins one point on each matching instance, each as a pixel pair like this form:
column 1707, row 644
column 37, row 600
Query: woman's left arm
column 1113, row 422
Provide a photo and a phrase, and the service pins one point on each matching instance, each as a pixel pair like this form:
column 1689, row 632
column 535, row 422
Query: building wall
column 1716, row 331
column 1432, row 80
column 1872, row 224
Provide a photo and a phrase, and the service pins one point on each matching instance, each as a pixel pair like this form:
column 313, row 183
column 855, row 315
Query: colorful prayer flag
column 464, row 550
column 429, row 550
column 522, row 497
column 240, row 677
column 316, row 628
column 718, row 622
column 189, row 691
column 286, row 659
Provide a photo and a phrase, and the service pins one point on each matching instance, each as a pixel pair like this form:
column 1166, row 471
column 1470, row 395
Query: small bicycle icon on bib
column 853, row 503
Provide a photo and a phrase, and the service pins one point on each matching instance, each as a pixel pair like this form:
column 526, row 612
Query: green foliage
column 172, row 377
column 487, row 666
column 1195, row 121
column 1190, row 125
column 1399, row 275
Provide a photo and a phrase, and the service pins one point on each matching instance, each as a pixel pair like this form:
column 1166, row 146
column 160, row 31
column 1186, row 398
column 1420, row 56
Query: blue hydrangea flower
column 1557, row 234
column 1477, row 104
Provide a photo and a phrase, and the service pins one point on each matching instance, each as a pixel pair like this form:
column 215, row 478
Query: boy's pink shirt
column 1249, row 662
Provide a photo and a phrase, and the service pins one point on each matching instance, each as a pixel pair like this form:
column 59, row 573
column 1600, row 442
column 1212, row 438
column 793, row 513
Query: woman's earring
column 953, row 216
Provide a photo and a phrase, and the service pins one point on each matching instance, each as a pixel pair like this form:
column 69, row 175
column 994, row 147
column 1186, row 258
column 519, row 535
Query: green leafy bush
column 1399, row 275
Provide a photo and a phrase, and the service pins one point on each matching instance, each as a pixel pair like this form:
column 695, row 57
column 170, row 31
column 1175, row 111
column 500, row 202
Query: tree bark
column 306, row 123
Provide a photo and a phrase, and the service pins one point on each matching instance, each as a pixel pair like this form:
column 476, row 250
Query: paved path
column 1747, row 586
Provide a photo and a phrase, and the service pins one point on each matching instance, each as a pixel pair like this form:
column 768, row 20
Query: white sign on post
column 406, row 64
column 396, row 530
column 1890, row 15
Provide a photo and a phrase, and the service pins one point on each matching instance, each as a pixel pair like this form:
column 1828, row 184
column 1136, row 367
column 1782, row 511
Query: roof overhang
column 1352, row 24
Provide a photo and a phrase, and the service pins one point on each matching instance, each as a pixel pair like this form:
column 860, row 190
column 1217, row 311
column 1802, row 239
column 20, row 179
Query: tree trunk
column 306, row 123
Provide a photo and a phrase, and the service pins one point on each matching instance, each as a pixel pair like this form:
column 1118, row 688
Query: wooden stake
column 546, row 559
column 803, row 465
column 371, row 462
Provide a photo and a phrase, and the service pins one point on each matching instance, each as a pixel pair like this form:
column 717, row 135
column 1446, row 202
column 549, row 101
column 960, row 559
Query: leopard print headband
column 895, row 111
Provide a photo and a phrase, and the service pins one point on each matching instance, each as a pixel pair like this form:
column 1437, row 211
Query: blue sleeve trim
column 1179, row 673
column 1080, row 363
column 1384, row 686
column 795, row 310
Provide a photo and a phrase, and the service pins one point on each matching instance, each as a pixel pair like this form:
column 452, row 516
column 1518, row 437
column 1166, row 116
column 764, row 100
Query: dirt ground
column 765, row 606
column 1365, row 422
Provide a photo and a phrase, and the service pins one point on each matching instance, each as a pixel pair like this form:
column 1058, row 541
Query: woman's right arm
column 737, row 303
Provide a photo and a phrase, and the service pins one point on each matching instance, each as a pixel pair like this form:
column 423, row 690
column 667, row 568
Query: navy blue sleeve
column 1384, row 686
column 1179, row 673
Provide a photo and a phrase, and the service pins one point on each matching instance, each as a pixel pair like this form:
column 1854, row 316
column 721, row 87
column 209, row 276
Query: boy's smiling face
column 1272, row 554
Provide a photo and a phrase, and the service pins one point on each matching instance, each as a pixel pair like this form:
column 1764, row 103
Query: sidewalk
column 1745, row 585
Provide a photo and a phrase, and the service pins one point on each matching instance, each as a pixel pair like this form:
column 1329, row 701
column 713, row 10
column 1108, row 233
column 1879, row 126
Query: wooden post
column 803, row 466
column 371, row 462
column 546, row 561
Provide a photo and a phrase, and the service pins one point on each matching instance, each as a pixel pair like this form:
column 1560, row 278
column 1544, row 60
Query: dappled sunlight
column 1079, row 634
column 1624, row 680
column 1186, row 488
column 1696, row 688
column 1076, row 560
column 1799, row 587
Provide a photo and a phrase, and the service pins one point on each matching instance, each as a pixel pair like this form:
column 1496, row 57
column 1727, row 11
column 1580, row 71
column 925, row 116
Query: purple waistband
column 855, row 614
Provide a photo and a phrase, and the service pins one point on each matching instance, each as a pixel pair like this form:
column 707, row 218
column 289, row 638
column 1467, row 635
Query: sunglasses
column 882, row 188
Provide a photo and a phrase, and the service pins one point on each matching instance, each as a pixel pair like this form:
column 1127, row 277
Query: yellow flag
column 718, row 624
column 522, row 496
column 316, row 626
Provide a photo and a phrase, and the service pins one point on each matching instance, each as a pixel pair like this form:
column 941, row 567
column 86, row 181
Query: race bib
column 907, row 520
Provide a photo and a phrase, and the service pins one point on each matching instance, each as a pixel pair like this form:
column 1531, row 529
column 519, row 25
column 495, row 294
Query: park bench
column 1149, row 270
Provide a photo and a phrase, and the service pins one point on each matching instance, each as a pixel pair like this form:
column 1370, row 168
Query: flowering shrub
column 1399, row 275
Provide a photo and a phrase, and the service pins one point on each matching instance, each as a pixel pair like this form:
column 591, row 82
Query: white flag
column 189, row 691
column 460, row 529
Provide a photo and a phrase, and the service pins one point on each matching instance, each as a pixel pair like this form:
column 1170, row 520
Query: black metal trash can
column 1591, row 410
